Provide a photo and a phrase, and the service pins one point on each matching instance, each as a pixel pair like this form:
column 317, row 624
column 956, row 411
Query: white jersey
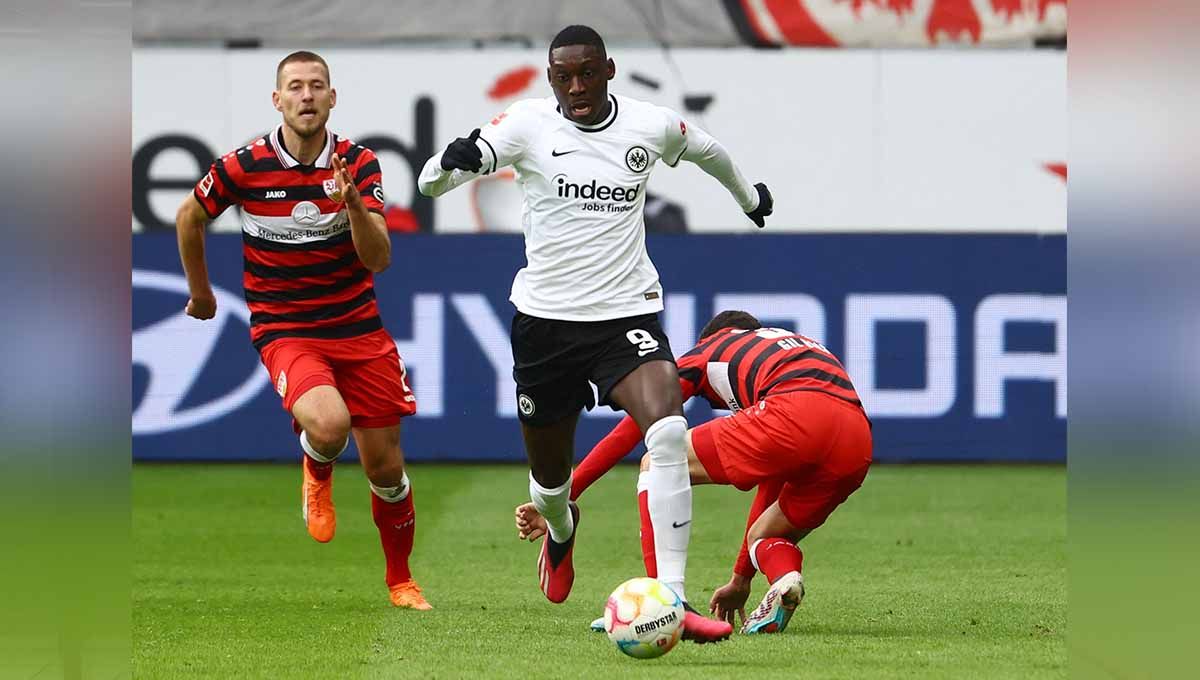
column 584, row 191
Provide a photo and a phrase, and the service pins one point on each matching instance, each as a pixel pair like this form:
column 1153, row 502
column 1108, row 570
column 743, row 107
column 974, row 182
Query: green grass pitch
column 926, row 572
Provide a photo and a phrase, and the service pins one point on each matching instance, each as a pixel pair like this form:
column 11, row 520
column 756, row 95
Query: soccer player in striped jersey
column 798, row 432
column 314, row 235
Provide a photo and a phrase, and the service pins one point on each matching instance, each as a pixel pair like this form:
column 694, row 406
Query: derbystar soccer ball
column 644, row 618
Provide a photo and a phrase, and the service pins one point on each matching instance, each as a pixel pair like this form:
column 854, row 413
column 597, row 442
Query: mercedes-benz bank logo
column 306, row 213
column 175, row 351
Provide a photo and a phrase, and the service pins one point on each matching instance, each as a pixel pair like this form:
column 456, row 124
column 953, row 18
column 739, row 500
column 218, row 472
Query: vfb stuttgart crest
column 637, row 158
column 331, row 190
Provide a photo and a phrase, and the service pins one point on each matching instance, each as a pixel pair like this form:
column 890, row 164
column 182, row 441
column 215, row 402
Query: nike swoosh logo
column 644, row 352
column 677, row 526
column 557, row 153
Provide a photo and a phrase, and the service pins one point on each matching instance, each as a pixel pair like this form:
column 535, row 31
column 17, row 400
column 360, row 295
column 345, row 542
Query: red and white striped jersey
column 734, row 368
column 302, row 275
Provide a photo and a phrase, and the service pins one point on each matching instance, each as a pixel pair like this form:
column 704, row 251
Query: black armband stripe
column 495, row 158
column 680, row 157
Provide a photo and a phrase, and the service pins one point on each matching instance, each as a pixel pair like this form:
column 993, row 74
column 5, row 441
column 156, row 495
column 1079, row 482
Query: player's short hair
column 299, row 56
column 578, row 34
column 731, row 318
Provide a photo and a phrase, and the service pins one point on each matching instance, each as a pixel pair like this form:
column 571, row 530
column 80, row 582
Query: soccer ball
column 644, row 618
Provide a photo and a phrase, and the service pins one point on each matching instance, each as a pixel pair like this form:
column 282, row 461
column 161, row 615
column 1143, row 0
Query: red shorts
column 367, row 371
column 819, row 444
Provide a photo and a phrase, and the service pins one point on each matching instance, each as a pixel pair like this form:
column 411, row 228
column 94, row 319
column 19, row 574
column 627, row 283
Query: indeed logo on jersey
column 594, row 190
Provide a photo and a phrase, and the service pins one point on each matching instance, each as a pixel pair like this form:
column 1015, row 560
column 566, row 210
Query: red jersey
column 735, row 368
column 732, row 369
column 302, row 275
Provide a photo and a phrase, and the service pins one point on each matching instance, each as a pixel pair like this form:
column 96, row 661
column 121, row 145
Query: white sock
column 643, row 483
column 551, row 504
column 669, row 497
column 315, row 455
column 392, row 494
column 753, row 557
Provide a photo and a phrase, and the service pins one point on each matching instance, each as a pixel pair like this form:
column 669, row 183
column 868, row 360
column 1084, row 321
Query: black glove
column 766, row 205
column 462, row 154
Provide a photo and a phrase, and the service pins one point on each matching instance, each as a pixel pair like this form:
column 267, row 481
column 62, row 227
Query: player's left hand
column 463, row 154
column 530, row 524
column 731, row 598
column 766, row 205
column 345, row 184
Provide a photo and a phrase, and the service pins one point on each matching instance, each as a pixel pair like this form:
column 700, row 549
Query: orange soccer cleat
column 408, row 596
column 316, row 495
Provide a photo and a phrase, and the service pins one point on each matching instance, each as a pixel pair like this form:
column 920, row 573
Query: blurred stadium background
column 918, row 162
column 917, row 153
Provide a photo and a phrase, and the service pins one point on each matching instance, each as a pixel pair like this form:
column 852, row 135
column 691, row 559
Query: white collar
column 596, row 127
column 286, row 158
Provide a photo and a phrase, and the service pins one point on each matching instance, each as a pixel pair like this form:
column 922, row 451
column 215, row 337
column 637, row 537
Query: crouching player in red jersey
column 798, row 432
column 314, row 234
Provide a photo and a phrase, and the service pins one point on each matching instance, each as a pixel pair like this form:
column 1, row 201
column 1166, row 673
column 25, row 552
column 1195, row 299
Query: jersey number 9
column 644, row 341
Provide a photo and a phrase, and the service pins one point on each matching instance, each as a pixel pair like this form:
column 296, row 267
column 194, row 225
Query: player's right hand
column 530, row 524
column 202, row 306
column 730, row 598
column 766, row 205
column 463, row 154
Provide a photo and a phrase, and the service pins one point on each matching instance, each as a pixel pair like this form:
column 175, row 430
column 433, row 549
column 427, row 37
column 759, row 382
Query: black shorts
column 553, row 361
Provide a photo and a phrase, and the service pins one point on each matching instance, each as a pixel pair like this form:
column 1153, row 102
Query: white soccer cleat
column 778, row 605
column 597, row 626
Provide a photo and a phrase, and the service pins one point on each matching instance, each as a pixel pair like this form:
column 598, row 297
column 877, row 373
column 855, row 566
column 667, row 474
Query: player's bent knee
column 645, row 462
column 550, row 474
column 666, row 441
column 774, row 524
column 386, row 475
column 756, row 532
column 328, row 432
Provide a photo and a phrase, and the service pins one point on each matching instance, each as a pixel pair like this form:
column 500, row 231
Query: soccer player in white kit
column 588, row 300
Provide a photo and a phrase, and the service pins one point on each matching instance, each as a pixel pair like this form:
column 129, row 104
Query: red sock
column 647, row 535
column 397, row 525
column 777, row 556
column 319, row 471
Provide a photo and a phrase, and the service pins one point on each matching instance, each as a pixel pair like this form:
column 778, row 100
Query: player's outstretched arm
column 768, row 492
column 604, row 455
column 190, row 221
column 500, row 143
column 711, row 157
column 731, row 597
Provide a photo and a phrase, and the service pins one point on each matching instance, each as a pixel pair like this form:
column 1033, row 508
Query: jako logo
column 593, row 190
column 175, row 350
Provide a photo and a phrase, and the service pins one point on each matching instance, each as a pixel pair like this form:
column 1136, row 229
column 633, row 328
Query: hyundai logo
column 175, row 351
